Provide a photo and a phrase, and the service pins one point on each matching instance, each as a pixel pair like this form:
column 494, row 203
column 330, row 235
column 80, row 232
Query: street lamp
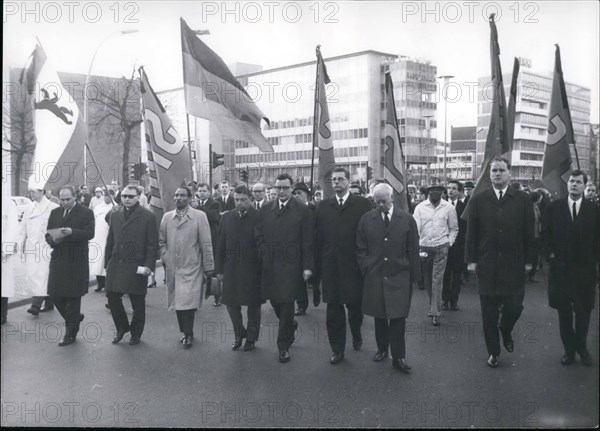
column 446, row 79
column 85, row 97
column 428, row 126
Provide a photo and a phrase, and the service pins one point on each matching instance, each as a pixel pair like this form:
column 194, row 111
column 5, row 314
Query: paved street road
column 157, row 383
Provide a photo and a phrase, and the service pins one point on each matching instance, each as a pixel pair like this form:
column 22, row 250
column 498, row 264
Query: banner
column 322, row 136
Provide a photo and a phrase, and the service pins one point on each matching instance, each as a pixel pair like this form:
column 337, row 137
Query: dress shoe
column 300, row 312
column 187, row 341
column 357, row 343
column 237, row 343
column 454, row 307
column 316, row 296
column 46, row 308
column 98, row 289
column 586, row 358
column 119, row 335
column 107, row 306
column 567, row 359
column 492, row 361
column 34, row 309
column 152, row 285
column 136, row 340
column 217, row 302
column 81, row 317
column 336, row 358
column 401, row 365
column 435, row 320
column 380, row 355
column 445, row 306
column 284, row 355
column 248, row 345
column 68, row 339
column 508, row 342
column 182, row 338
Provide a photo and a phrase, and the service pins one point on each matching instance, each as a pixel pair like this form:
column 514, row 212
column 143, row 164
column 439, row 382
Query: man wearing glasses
column 130, row 257
column 285, row 240
column 337, row 265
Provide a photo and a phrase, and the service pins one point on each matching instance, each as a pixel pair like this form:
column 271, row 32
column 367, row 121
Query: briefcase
column 212, row 287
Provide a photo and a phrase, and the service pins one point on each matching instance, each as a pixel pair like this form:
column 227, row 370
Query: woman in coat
column 99, row 243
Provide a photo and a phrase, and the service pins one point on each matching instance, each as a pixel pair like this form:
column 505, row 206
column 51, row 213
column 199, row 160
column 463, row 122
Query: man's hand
column 220, row 277
column 471, row 267
column 208, row 274
column 67, row 231
column 307, row 274
column 147, row 271
column 528, row 267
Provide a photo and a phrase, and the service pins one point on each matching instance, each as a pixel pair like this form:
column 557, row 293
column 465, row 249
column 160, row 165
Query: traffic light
column 132, row 171
column 244, row 176
column 369, row 173
column 216, row 159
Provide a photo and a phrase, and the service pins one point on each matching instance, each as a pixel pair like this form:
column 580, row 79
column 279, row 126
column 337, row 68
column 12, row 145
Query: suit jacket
column 456, row 254
column 500, row 240
column 335, row 249
column 389, row 259
column 237, row 258
column 69, row 274
column 212, row 209
column 285, row 240
column 130, row 244
column 228, row 205
column 575, row 246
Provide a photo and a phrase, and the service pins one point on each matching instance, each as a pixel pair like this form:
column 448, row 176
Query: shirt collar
column 577, row 202
column 343, row 198
column 390, row 212
column 497, row 192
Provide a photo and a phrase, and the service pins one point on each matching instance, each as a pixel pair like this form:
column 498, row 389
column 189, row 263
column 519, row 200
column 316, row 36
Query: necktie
column 67, row 212
column 341, row 202
column 256, row 205
column 203, row 203
column 452, row 203
column 386, row 219
column 574, row 211
column 500, row 198
column 281, row 206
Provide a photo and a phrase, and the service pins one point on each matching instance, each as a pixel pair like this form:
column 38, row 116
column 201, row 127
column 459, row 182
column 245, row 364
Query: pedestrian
column 10, row 244
column 500, row 248
column 70, row 228
column 226, row 199
column 387, row 244
column 237, row 266
column 437, row 225
column 285, row 239
column 101, row 211
column 336, row 262
column 258, row 193
column 212, row 210
column 456, row 254
column 571, row 232
column 129, row 258
column 32, row 268
column 187, row 253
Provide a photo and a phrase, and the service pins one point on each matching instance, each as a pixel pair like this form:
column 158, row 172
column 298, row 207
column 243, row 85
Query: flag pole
column 187, row 119
column 315, row 124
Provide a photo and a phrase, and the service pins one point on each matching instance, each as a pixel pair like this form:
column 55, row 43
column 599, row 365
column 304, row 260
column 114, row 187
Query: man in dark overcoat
column 130, row 257
column 212, row 209
column 68, row 279
column 456, row 254
column 500, row 246
column 336, row 265
column 285, row 240
column 238, row 268
column 387, row 248
column 571, row 234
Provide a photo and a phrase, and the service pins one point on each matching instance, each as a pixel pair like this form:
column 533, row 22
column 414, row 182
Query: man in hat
column 438, row 228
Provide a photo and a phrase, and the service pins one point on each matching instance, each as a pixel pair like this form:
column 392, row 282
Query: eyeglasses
column 282, row 187
column 129, row 196
column 338, row 179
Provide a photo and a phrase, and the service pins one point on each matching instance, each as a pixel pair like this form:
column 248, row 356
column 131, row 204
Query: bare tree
column 116, row 109
column 18, row 137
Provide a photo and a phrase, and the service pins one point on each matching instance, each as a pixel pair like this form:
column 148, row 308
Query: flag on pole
column 168, row 157
column 497, row 142
column 323, row 138
column 394, row 171
column 557, row 153
column 59, row 129
column 213, row 93
column 512, row 104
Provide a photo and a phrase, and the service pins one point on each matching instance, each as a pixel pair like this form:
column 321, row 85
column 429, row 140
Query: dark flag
column 512, row 103
column 557, row 154
column 394, row 171
column 213, row 93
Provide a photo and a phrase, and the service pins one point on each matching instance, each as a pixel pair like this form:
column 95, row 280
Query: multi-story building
column 531, row 121
column 356, row 100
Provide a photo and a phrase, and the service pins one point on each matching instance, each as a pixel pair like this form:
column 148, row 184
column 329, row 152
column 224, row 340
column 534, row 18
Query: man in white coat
column 31, row 270
column 98, row 244
column 186, row 252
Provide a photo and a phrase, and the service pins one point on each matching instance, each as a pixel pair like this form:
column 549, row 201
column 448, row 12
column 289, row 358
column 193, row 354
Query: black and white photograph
column 281, row 214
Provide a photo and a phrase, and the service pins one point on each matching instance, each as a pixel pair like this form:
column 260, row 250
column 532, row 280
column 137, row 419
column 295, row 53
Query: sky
column 454, row 36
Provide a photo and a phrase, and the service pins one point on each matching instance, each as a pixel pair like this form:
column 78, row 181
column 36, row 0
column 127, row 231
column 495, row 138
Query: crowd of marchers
column 360, row 253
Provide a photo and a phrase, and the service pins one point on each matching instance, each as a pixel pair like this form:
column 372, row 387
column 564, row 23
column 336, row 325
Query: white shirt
column 259, row 203
column 390, row 212
column 343, row 198
column 281, row 204
column 577, row 205
column 498, row 192
column 436, row 225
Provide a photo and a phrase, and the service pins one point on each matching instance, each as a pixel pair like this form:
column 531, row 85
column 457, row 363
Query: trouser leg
column 355, row 319
column 235, row 314
column 138, row 320
column 286, row 325
column 336, row 327
column 490, row 314
column 117, row 311
column 185, row 318
column 397, row 344
column 382, row 334
column 253, row 325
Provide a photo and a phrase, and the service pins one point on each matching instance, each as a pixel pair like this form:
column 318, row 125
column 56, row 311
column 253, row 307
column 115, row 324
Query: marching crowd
column 360, row 253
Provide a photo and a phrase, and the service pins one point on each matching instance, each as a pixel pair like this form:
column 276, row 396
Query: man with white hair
column 387, row 248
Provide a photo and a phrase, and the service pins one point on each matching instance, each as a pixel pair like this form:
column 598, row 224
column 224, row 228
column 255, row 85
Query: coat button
column 385, row 258
column 385, row 239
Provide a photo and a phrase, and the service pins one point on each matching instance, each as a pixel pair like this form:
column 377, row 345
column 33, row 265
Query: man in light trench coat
column 186, row 251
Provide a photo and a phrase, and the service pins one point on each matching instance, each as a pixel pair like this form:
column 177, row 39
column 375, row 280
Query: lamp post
column 85, row 97
column 446, row 79
column 428, row 127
